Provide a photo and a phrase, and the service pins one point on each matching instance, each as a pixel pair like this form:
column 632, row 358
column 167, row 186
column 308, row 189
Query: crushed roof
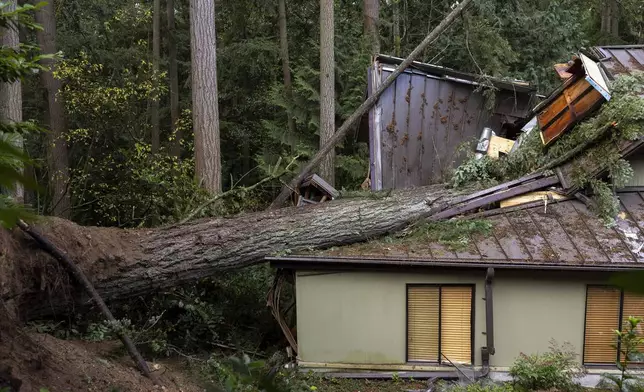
column 563, row 234
column 620, row 59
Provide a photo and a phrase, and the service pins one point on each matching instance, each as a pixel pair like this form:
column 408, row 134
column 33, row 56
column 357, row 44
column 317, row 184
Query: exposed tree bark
column 11, row 93
column 609, row 19
column 57, row 158
column 286, row 69
column 366, row 105
column 371, row 20
column 327, row 88
column 156, row 59
column 173, row 75
column 205, row 110
column 396, row 27
column 125, row 263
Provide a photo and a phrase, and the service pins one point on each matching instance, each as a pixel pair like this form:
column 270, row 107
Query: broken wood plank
column 499, row 145
column 541, row 196
column 495, row 197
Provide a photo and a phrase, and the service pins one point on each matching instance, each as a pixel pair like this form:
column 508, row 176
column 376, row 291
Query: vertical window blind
column 607, row 309
column 439, row 323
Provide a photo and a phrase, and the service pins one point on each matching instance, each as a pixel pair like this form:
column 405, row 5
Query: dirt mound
column 29, row 362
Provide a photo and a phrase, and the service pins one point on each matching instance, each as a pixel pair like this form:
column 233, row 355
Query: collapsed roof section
column 559, row 235
column 553, row 230
column 419, row 123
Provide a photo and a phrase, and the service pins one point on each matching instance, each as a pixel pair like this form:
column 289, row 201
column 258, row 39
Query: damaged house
column 526, row 262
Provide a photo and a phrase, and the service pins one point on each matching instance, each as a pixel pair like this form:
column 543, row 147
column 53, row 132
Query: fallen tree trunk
column 127, row 263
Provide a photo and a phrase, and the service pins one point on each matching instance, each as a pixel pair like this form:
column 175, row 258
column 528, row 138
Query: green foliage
column 629, row 339
column 557, row 369
column 625, row 109
column 479, row 386
column 456, row 234
column 241, row 374
column 15, row 64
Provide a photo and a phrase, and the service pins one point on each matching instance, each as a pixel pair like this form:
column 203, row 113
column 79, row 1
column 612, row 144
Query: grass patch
column 455, row 234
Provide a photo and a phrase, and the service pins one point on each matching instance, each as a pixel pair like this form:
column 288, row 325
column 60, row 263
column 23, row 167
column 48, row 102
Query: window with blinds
column 439, row 323
column 607, row 309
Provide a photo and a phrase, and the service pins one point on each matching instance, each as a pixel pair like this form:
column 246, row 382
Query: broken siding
column 421, row 120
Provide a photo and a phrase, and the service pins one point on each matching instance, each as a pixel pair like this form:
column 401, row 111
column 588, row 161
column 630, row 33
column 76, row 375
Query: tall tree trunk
column 368, row 104
column 156, row 59
column 125, row 263
column 609, row 19
column 173, row 75
column 11, row 93
column 286, row 70
column 371, row 19
column 614, row 24
column 205, row 111
column 327, row 88
column 57, row 159
column 397, row 39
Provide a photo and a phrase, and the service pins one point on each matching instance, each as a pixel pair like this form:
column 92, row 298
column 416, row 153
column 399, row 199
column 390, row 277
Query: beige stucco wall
column 359, row 317
column 531, row 308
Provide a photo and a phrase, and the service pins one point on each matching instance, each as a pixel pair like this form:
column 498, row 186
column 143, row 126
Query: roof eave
column 334, row 262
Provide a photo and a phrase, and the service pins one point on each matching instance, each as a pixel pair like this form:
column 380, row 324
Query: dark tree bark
column 610, row 19
column 396, row 27
column 286, row 69
column 57, row 158
column 371, row 20
column 327, row 88
column 11, row 93
column 173, row 75
column 205, row 110
column 156, row 59
column 125, row 263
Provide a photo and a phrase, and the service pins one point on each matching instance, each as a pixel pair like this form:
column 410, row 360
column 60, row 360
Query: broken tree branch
column 229, row 192
column 581, row 147
column 80, row 276
column 366, row 105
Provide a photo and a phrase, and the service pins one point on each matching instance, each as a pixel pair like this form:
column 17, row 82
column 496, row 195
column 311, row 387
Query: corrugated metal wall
column 420, row 121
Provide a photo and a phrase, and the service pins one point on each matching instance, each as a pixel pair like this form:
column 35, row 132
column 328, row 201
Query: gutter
column 489, row 323
column 332, row 262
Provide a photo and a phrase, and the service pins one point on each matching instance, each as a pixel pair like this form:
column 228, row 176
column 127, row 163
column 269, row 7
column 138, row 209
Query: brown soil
column 29, row 362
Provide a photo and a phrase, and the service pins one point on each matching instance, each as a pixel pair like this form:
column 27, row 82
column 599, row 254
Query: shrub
column 479, row 386
column 630, row 340
column 557, row 369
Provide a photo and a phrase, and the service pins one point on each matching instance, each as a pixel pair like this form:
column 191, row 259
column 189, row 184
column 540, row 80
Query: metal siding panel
column 586, row 243
column 441, row 251
column 536, row 244
column 429, row 152
column 387, row 100
column 414, row 129
column 634, row 205
column 607, row 238
column 627, row 225
column 490, row 248
column 555, row 235
column 638, row 55
column 625, row 59
column 401, row 139
column 440, row 133
column 508, row 238
column 460, row 131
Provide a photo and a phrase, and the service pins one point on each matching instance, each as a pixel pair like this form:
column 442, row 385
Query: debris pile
column 581, row 132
